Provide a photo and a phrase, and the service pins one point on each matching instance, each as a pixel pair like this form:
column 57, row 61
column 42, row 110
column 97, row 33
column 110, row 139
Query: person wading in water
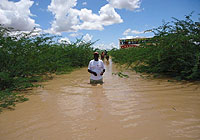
column 106, row 54
column 97, row 69
column 102, row 56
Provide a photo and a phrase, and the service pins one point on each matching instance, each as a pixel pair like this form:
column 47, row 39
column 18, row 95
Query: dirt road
column 134, row 108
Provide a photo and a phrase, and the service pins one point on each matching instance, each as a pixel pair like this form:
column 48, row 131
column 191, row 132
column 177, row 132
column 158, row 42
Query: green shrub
column 174, row 50
column 26, row 56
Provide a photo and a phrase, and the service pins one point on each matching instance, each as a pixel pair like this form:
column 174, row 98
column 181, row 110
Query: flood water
column 134, row 108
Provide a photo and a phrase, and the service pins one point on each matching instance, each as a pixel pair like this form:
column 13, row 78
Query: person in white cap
column 97, row 69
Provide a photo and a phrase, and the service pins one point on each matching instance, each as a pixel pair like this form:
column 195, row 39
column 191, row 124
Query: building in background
column 133, row 42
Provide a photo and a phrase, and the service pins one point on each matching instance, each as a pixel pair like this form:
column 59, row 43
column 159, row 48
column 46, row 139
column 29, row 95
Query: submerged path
column 134, row 108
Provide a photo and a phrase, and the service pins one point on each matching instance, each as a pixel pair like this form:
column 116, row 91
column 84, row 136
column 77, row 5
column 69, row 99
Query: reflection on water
column 69, row 108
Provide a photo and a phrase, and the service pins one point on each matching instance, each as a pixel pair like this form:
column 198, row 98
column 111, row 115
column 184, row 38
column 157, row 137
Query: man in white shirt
column 96, row 68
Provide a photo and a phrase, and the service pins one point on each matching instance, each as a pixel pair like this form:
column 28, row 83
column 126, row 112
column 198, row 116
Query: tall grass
column 25, row 57
column 174, row 51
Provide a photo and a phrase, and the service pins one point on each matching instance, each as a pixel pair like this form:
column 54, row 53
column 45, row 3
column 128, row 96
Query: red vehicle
column 134, row 42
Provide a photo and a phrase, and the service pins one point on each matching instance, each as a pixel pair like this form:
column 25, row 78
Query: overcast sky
column 102, row 20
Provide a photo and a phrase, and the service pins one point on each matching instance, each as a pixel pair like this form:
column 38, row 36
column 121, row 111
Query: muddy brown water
column 134, row 108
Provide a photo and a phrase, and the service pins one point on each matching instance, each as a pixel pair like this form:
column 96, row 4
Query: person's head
column 96, row 56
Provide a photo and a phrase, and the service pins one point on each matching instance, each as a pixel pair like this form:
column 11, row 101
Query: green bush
column 26, row 56
column 174, row 50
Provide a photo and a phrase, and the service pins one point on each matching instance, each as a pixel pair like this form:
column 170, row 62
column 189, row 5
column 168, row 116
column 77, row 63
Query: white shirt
column 96, row 66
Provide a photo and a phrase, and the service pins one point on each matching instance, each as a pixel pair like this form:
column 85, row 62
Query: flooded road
column 134, row 108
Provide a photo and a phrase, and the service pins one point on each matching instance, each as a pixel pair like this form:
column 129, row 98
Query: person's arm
column 103, row 68
column 103, row 71
column 90, row 71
